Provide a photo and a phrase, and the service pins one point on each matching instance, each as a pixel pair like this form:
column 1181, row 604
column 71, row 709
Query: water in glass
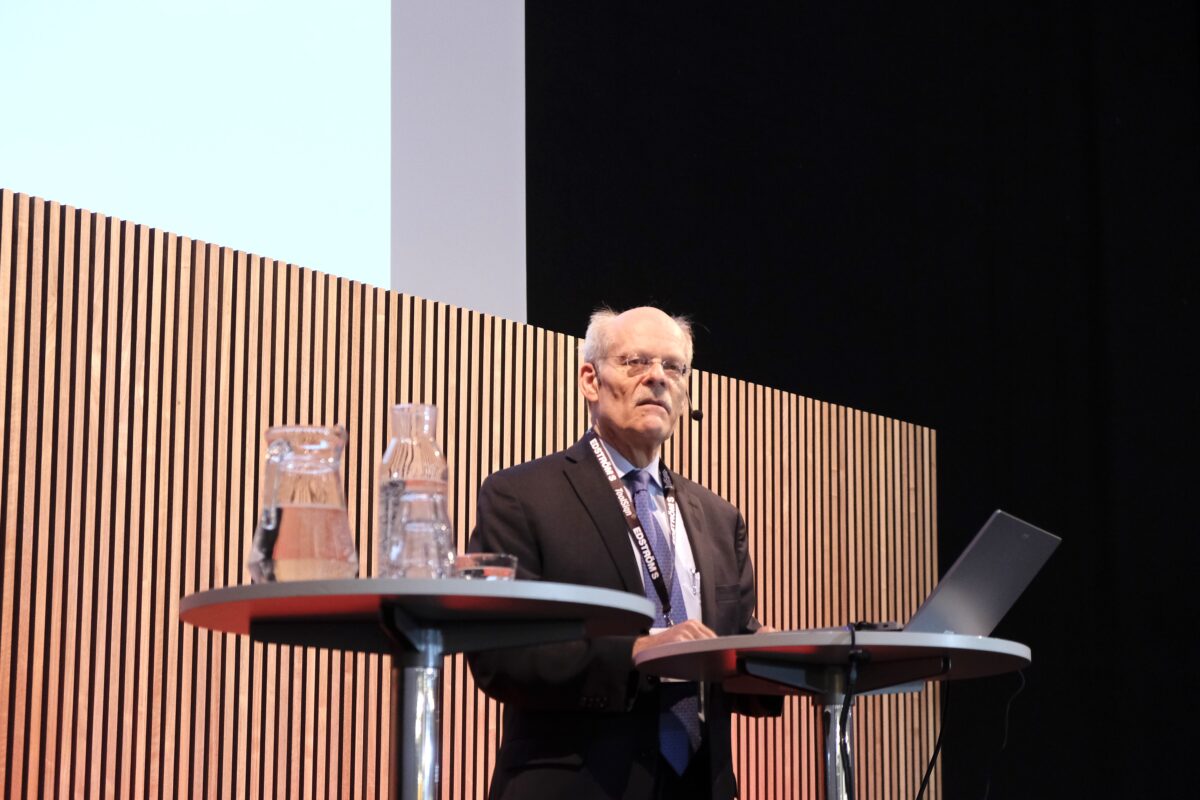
column 303, row 532
column 416, row 539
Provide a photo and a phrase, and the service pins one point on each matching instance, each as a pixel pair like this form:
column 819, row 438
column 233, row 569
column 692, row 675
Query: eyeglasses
column 636, row 365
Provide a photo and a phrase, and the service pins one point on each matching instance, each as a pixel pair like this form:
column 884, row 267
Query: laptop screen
column 986, row 580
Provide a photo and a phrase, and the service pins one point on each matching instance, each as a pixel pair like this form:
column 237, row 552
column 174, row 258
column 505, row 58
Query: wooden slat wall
column 141, row 369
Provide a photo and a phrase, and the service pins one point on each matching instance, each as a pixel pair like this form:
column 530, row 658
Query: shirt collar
column 624, row 467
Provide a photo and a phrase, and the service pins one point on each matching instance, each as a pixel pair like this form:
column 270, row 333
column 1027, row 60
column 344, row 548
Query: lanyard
column 625, row 499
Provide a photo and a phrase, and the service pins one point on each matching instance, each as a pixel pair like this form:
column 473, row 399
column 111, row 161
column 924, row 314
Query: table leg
column 416, row 716
column 836, row 771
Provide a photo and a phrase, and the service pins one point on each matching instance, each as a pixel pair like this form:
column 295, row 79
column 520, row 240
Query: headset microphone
column 696, row 414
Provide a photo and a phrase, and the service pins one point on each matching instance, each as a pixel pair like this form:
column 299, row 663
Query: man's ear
column 589, row 382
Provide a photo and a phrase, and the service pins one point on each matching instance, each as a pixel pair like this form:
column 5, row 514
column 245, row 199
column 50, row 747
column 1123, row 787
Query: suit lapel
column 587, row 479
column 694, row 519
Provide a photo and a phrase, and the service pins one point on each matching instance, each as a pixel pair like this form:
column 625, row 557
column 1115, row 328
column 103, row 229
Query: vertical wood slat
column 142, row 369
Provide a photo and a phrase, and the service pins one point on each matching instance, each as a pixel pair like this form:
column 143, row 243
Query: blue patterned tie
column 679, row 717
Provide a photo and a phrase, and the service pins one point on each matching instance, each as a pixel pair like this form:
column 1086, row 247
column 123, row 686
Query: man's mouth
column 652, row 402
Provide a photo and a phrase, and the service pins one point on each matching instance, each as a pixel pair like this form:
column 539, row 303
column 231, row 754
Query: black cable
column 987, row 787
column 937, row 745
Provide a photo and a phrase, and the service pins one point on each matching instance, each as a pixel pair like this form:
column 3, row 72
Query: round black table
column 818, row 663
column 417, row 623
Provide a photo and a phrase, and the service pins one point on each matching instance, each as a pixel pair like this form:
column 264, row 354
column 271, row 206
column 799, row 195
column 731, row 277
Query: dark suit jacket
column 579, row 721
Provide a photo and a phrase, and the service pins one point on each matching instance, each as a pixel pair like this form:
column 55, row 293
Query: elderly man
column 579, row 721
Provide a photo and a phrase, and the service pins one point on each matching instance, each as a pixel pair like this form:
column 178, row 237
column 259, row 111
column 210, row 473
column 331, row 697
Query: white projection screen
column 458, row 153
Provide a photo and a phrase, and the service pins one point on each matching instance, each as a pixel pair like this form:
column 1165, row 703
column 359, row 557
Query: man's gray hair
column 597, row 341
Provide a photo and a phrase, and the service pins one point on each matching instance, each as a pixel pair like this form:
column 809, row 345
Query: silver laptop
column 982, row 585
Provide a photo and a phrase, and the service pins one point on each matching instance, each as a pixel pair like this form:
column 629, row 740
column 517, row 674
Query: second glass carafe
column 416, row 539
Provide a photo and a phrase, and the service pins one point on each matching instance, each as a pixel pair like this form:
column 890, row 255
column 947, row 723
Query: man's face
column 638, row 410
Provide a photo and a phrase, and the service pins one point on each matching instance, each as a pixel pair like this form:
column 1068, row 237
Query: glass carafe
column 415, row 536
column 303, row 532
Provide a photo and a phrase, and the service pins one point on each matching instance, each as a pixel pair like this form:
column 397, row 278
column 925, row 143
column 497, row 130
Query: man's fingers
column 689, row 631
column 693, row 629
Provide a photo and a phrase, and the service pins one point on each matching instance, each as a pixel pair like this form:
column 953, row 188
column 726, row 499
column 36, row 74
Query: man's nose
column 656, row 372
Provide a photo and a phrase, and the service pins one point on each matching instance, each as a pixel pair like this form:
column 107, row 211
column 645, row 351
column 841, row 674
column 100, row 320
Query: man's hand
column 767, row 629
column 691, row 630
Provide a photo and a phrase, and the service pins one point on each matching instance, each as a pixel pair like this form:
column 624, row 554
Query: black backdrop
column 983, row 219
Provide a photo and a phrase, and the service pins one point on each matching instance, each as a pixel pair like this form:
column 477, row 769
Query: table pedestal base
column 830, row 686
column 417, row 656
column 836, row 771
column 416, row 710
column 416, row 720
